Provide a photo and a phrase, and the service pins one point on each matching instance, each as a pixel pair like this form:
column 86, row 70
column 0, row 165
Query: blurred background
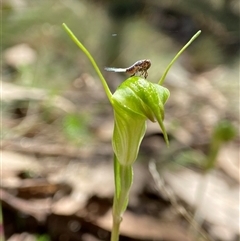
column 56, row 155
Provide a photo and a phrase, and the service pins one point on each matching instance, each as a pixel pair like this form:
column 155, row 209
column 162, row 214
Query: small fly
column 140, row 66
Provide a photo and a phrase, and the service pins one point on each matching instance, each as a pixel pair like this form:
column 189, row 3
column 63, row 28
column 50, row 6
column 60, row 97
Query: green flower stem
column 123, row 181
column 85, row 51
column 115, row 229
column 178, row 54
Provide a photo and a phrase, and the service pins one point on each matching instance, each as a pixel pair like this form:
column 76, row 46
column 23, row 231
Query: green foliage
column 224, row 131
column 43, row 237
column 75, row 128
column 186, row 158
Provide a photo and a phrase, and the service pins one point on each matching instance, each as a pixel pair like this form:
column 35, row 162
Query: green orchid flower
column 134, row 101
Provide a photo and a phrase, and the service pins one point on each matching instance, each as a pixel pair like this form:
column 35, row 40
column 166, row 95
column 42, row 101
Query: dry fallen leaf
column 220, row 204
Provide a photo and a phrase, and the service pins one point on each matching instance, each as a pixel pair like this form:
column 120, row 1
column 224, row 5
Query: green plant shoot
column 223, row 132
column 134, row 101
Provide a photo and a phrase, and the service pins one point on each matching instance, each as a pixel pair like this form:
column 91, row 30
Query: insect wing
column 115, row 69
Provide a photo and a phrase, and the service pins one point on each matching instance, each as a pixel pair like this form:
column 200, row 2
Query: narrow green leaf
column 177, row 55
column 89, row 56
